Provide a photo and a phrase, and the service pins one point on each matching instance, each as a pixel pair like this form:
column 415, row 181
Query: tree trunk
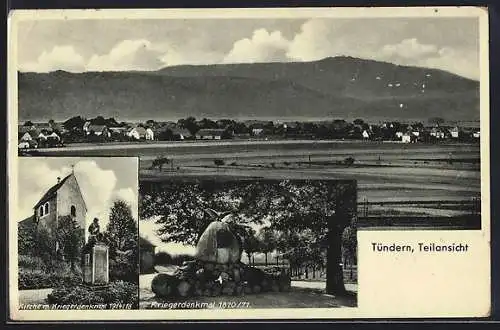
column 334, row 272
column 266, row 257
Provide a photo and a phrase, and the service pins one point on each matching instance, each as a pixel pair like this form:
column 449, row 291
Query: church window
column 46, row 208
column 73, row 211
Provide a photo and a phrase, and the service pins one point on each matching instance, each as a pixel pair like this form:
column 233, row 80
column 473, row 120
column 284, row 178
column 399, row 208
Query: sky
column 101, row 180
column 447, row 43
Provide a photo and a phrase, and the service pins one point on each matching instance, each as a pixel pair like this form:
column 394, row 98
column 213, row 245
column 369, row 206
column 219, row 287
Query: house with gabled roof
column 212, row 134
column 137, row 133
column 62, row 199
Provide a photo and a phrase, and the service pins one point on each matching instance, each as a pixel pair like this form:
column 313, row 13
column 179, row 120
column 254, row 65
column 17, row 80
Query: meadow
column 406, row 175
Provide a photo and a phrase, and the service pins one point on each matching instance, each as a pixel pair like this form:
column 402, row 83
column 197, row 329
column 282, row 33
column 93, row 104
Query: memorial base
column 201, row 278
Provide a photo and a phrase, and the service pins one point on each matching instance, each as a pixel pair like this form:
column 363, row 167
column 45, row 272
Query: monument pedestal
column 96, row 266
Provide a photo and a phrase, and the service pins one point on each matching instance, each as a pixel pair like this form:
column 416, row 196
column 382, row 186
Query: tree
column 349, row 161
column 45, row 248
column 358, row 121
column 267, row 241
column 189, row 124
column 219, row 162
column 26, row 242
column 99, row 120
column 74, row 123
column 436, row 121
column 70, row 237
column 122, row 227
column 349, row 246
column 250, row 243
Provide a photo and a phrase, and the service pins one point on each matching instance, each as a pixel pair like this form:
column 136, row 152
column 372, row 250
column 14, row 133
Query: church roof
column 51, row 192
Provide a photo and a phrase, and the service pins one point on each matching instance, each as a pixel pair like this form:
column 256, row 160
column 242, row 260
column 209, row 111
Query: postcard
column 298, row 163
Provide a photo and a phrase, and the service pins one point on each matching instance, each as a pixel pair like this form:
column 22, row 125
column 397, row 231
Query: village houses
column 137, row 133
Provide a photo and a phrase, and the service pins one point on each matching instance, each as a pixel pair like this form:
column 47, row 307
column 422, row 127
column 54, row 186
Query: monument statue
column 95, row 257
column 219, row 243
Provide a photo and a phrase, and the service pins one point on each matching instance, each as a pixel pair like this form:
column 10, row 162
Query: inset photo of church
column 77, row 232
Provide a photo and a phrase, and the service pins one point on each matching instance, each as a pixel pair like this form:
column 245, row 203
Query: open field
column 386, row 171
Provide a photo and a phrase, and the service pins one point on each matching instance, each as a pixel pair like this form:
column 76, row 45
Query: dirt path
column 304, row 294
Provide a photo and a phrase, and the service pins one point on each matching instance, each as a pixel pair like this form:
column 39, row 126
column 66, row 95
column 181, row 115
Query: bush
column 349, row 161
column 30, row 262
column 118, row 292
column 39, row 280
column 219, row 162
column 163, row 258
column 124, row 267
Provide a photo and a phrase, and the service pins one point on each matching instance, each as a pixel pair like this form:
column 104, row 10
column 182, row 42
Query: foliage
column 33, row 279
column 26, row 241
column 267, row 241
column 45, row 248
column 349, row 161
column 349, row 245
column 122, row 227
column 74, row 123
column 118, row 292
column 219, row 162
column 29, row 261
column 189, row 124
column 163, row 258
column 70, row 237
column 124, row 267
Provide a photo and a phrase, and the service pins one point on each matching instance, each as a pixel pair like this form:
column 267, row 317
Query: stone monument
column 95, row 258
column 216, row 268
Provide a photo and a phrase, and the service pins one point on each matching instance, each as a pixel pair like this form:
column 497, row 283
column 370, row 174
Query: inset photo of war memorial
column 247, row 243
column 77, row 233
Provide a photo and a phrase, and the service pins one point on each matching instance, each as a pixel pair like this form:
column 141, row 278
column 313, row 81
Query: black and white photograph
column 239, row 243
column 392, row 102
column 249, row 161
column 77, row 233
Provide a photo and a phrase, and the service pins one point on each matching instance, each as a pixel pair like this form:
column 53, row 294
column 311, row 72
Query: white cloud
column 129, row 196
column 35, row 178
column 128, row 55
column 410, row 49
column 59, row 58
column 263, row 46
column 315, row 41
column 463, row 63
